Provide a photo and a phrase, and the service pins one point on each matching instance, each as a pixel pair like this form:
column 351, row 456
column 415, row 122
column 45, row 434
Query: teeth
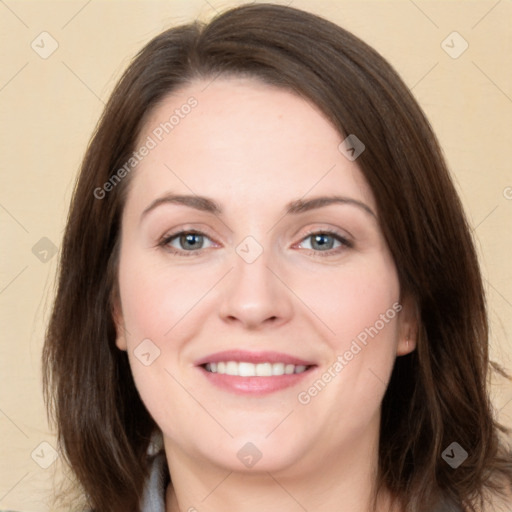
column 278, row 369
column 289, row 369
column 244, row 369
column 231, row 368
column 263, row 370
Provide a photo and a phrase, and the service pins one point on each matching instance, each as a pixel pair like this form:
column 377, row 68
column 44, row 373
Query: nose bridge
column 253, row 294
column 252, row 274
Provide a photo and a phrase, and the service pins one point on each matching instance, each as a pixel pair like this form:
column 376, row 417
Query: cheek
column 350, row 300
column 360, row 306
column 156, row 298
column 157, row 303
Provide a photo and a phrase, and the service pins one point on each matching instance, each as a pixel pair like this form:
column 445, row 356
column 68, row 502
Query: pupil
column 322, row 242
column 191, row 240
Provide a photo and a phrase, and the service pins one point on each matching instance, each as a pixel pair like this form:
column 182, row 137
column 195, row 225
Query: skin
column 253, row 148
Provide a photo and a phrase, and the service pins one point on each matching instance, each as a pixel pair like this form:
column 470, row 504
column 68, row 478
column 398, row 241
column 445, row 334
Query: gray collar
column 153, row 499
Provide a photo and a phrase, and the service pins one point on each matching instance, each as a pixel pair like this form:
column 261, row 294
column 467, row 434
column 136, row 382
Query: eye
column 187, row 241
column 324, row 241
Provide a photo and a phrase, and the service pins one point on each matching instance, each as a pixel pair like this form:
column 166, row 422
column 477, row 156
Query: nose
column 254, row 297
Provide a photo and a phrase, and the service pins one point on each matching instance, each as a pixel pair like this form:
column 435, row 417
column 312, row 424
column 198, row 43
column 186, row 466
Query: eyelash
column 345, row 243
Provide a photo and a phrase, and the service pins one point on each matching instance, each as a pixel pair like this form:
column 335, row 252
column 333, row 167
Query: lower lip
column 254, row 385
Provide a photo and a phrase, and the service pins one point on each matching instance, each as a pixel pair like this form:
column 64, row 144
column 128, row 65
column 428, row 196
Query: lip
column 254, row 386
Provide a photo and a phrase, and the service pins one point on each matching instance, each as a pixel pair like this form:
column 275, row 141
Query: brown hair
column 437, row 395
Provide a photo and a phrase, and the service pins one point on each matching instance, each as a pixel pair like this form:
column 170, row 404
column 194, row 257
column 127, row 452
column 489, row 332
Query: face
column 259, row 303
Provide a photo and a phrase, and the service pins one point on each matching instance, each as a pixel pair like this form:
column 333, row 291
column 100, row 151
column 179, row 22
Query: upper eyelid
column 343, row 234
column 170, row 234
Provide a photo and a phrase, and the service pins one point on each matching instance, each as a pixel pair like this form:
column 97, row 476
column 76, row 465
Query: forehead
column 238, row 139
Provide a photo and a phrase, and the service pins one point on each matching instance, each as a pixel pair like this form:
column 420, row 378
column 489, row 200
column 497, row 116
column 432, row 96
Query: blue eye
column 324, row 242
column 192, row 242
column 187, row 241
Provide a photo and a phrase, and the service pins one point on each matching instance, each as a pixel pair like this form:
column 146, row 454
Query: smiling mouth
column 251, row 373
column 247, row 369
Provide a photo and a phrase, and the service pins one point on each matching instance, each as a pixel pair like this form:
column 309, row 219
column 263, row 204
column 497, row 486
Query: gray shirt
column 154, row 493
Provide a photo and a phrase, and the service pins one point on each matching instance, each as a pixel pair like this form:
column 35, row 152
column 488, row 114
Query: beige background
column 49, row 107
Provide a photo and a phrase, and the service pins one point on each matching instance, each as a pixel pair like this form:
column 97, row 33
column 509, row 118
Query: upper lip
column 253, row 357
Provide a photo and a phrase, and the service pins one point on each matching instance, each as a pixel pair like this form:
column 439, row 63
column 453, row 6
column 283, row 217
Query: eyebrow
column 192, row 201
column 301, row 205
column 294, row 207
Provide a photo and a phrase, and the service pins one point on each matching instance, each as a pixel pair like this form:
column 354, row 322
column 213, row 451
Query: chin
column 257, row 454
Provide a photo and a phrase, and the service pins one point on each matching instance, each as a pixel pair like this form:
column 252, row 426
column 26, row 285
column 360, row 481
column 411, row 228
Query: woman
column 268, row 294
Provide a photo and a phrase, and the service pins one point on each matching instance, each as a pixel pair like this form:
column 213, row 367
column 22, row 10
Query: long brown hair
column 437, row 395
